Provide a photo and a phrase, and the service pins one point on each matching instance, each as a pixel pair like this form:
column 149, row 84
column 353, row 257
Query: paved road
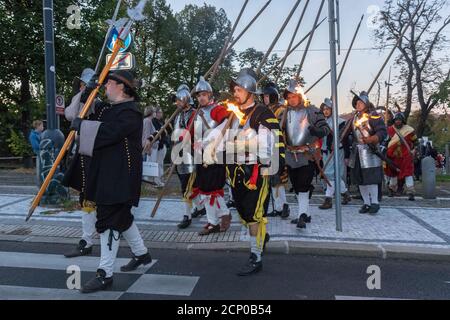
column 37, row 271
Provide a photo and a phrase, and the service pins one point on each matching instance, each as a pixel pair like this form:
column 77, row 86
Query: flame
column 235, row 109
column 362, row 122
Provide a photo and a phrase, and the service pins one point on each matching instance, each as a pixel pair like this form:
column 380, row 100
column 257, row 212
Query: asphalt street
column 38, row 271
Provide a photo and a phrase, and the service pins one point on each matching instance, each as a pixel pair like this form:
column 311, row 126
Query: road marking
column 170, row 285
column 59, row 262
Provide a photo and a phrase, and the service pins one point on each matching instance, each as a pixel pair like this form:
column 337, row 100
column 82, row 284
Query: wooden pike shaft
column 310, row 40
column 318, row 81
column 274, row 42
column 350, row 49
column 387, row 98
column 239, row 36
column 71, row 136
column 395, row 47
column 292, row 39
column 275, row 67
column 217, row 64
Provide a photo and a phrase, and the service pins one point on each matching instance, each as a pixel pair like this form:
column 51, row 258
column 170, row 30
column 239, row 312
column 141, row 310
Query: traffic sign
column 113, row 39
column 60, row 106
column 123, row 61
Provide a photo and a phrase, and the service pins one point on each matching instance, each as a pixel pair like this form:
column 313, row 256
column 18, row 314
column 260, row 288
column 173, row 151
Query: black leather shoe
column 251, row 267
column 135, row 262
column 231, row 204
column 374, row 208
column 286, row 211
column 199, row 213
column 79, row 251
column 185, row 223
column 346, row 198
column 411, row 197
column 301, row 224
column 99, row 283
column 295, row 221
column 364, row 209
column 274, row 214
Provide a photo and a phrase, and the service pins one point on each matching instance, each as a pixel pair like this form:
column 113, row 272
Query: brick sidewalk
column 399, row 225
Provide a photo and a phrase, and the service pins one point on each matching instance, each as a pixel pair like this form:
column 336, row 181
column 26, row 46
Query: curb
column 316, row 248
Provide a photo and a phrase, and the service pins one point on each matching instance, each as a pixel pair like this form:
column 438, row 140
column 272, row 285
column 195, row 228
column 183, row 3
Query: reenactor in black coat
column 114, row 179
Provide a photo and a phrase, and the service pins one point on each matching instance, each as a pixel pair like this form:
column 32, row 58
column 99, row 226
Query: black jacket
column 115, row 172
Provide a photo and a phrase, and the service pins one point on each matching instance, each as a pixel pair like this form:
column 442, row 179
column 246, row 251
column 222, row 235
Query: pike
column 280, row 32
column 275, row 67
column 108, row 34
column 124, row 25
column 227, row 42
column 395, row 46
column 310, row 40
column 345, row 60
column 318, row 81
column 213, row 69
column 239, row 36
column 388, row 85
column 350, row 49
column 292, row 39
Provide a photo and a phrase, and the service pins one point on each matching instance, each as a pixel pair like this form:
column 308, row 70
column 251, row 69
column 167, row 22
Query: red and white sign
column 60, row 106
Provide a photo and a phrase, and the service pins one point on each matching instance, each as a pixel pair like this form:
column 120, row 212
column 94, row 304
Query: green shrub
column 19, row 146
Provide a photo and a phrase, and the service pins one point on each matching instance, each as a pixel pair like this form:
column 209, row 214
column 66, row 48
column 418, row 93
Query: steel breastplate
column 297, row 133
column 204, row 119
column 181, row 123
column 366, row 157
column 242, row 133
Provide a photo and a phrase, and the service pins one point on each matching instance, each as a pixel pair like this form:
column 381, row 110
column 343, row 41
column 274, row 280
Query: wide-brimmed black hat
column 127, row 78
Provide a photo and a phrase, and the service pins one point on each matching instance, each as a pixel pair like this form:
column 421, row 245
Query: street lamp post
column 334, row 97
column 52, row 138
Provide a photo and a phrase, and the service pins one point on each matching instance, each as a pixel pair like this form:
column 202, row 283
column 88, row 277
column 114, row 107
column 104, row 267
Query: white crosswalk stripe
column 59, row 262
column 147, row 284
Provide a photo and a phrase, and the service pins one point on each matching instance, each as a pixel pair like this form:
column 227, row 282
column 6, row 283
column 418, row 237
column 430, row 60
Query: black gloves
column 76, row 124
column 316, row 132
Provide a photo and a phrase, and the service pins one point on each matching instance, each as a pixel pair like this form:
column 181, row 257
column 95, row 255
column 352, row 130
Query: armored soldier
column 368, row 130
column 402, row 141
column 185, row 168
column 210, row 178
column 304, row 126
column 328, row 158
column 256, row 145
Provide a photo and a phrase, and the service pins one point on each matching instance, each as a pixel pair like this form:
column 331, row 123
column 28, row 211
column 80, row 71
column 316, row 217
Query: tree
column 204, row 30
column 251, row 58
column 22, row 74
column 420, row 67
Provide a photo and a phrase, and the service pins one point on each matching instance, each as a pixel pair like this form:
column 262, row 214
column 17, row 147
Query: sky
column 363, row 64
